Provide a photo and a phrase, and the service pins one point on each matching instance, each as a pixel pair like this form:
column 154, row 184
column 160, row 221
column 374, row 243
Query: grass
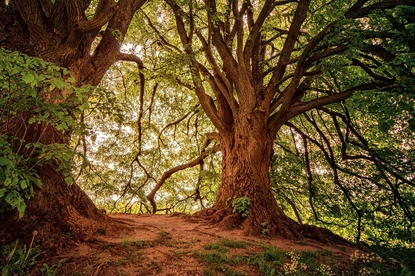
column 163, row 233
column 217, row 262
column 233, row 243
column 232, row 257
column 267, row 260
column 216, row 247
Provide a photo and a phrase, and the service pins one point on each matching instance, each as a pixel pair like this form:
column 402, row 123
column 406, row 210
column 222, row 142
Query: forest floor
column 185, row 245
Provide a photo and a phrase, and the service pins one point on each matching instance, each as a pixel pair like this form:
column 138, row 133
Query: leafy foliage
column 347, row 162
column 128, row 153
column 34, row 95
column 241, row 205
column 18, row 180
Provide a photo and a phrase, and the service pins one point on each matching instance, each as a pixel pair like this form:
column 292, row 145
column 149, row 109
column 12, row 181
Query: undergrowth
column 218, row 259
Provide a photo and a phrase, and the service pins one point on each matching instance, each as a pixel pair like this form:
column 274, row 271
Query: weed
column 134, row 257
column 125, row 242
column 163, row 233
column 265, row 230
column 141, row 244
column 302, row 242
column 51, row 270
column 267, row 261
column 266, row 268
column 241, row 205
column 69, row 234
column 17, row 260
column 309, row 258
column 215, row 260
column 208, row 272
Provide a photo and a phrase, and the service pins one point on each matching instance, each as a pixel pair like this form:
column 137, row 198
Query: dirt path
column 176, row 245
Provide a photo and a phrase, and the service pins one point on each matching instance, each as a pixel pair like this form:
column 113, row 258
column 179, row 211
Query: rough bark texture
column 61, row 33
column 246, row 160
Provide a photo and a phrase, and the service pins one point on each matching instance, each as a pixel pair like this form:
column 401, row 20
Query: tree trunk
column 60, row 32
column 246, row 160
column 59, row 213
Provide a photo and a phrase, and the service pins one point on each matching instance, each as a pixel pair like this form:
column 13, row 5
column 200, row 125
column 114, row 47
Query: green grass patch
column 268, row 261
column 233, row 243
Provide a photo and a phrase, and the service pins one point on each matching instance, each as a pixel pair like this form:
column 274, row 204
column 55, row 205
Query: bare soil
column 169, row 245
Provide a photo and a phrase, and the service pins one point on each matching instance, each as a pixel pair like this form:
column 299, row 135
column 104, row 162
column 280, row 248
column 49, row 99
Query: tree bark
column 246, row 159
column 60, row 32
column 246, row 156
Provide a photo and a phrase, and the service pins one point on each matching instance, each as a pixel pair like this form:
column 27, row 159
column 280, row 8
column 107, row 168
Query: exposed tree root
column 70, row 216
column 278, row 226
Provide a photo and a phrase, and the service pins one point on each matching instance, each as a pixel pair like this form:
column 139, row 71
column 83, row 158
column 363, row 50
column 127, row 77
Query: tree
column 256, row 65
column 85, row 37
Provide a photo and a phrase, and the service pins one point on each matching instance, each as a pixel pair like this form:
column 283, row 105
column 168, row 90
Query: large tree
column 255, row 65
column 85, row 37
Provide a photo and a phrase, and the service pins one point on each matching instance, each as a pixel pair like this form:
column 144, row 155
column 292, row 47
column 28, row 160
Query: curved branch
column 100, row 19
column 166, row 175
column 176, row 122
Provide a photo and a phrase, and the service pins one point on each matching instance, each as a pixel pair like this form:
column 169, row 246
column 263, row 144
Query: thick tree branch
column 108, row 49
column 303, row 107
column 293, row 33
column 229, row 63
column 31, row 12
column 99, row 20
column 357, row 11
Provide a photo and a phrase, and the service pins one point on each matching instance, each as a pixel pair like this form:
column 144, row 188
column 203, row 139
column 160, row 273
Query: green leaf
column 33, row 92
column 28, row 78
column 59, row 83
column 23, row 184
column 68, row 180
column 4, row 161
column 21, row 206
column 32, row 120
column 2, row 192
column 7, row 181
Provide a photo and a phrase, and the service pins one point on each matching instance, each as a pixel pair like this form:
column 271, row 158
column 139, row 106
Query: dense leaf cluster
column 34, row 95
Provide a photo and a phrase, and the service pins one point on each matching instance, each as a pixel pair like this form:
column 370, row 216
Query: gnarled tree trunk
column 246, row 157
column 246, row 160
column 60, row 32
